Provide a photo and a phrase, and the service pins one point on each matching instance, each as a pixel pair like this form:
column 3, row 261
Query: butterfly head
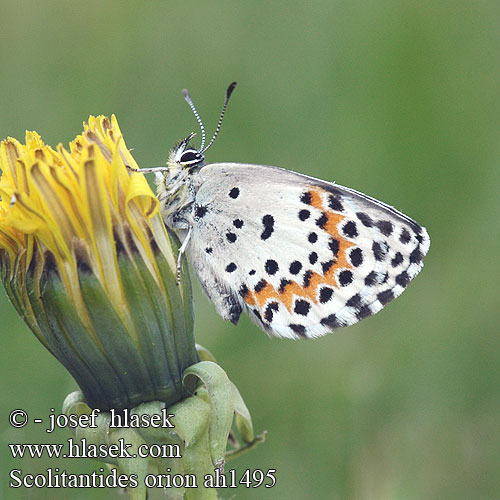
column 186, row 156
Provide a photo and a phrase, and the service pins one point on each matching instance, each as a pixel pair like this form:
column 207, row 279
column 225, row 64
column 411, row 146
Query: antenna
column 229, row 91
column 186, row 95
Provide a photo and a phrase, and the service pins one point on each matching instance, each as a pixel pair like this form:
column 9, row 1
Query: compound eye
column 191, row 156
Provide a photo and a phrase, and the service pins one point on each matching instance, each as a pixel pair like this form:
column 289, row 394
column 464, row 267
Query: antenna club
column 185, row 93
column 230, row 89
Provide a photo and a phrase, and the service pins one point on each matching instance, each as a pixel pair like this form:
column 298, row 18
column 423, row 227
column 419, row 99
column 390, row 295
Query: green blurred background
column 399, row 99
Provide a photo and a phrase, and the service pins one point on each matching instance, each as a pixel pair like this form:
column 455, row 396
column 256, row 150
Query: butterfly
column 301, row 255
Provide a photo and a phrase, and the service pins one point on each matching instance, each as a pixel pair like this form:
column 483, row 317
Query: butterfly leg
column 182, row 249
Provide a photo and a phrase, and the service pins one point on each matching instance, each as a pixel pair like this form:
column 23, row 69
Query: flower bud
column 89, row 265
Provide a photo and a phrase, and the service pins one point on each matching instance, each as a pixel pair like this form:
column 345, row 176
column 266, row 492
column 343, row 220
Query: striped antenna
column 229, row 91
column 186, row 95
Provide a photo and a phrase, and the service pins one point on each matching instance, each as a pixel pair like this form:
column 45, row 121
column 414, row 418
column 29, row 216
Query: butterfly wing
column 301, row 255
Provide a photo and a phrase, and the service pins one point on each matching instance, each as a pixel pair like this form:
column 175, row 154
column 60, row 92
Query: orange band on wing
column 286, row 294
column 316, row 200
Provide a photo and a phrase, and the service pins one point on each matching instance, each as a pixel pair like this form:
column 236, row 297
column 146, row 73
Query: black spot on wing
column 405, row 236
column 403, row 279
column 306, row 198
column 334, row 203
column 260, row 285
column 379, row 250
column 312, row 238
column 243, row 290
column 326, row 266
column 334, row 246
column 364, row 312
column 231, row 267
column 199, row 211
column 307, row 279
column 322, row 220
column 304, row 215
column 302, row 307
column 300, row 330
column 234, row 193
column 325, row 294
column 416, row 256
column 350, row 229
column 345, row 278
column 271, row 267
column 313, row 257
column 356, row 256
column 385, row 227
column 371, row 279
column 365, row 219
column 271, row 308
column 231, row 237
column 397, row 259
column 283, row 284
column 268, row 223
column 354, row 301
column 238, row 223
column 295, row 267
column 385, row 297
column 332, row 321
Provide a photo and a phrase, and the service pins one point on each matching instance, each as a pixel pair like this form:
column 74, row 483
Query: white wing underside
column 301, row 255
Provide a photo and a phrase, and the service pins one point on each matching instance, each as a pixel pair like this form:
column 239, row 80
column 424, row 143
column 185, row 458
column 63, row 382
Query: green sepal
column 153, row 320
column 69, row 340
column 17, row 292
column 94, row 373
column 181, row 301
column 117, row 342
column 242, row 416
column 221, row 405
column 34, row 295
column 191, row 419
column 75, row 404
column 204, row 354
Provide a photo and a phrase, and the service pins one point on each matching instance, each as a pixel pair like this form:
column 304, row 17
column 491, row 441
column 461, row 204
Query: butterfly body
column 302, row 256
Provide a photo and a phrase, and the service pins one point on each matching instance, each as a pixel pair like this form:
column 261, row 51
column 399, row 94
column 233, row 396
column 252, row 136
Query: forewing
column 302, row 255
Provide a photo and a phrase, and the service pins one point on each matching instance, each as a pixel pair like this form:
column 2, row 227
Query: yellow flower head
column 88, row 263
